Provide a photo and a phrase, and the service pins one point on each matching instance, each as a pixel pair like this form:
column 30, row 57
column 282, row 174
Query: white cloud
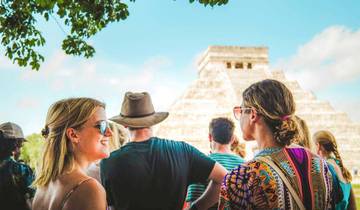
column 62, row 72
column 331, row 57
column 27, row 103
column 66, row 76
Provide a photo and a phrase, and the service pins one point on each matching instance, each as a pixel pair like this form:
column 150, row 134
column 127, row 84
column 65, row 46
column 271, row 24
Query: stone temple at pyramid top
column 242, row 58
column 224, row 72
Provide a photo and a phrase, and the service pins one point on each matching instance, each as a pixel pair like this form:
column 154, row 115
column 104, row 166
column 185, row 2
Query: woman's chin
column 104, row 154
column 248, row 138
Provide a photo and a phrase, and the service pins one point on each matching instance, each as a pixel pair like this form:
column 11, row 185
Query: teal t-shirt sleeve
column 200, row 166
column 194, row 192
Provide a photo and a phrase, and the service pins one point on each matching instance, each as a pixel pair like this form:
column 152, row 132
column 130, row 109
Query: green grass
column 357, row 194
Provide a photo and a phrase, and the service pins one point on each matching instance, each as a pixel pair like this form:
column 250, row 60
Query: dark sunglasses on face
column 238, row 110
column 102, row 126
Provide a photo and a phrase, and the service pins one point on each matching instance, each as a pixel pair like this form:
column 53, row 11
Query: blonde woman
column 327, row 148
column 76, row 134
column 305, row 133
column 279, row 177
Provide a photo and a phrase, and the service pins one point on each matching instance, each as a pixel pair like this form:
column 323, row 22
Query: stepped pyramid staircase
column 223, row 74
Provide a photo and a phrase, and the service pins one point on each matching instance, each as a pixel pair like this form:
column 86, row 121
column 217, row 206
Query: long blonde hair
column 58, row 154
column 327, row 140
column 304, row 129
column 275, row 103
column 119, row 136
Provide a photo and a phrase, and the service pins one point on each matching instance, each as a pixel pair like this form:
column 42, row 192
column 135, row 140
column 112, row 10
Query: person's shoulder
column 332, row 163
column 253, row 166
column 165, row 140
column 314, row 157
column 89, row 192
column 21, row 168
column 250, row 173
column 169, row 142
column 253, row 169
column 237, row 157
column 116, row 158
column 91, row 184
column 119, row 153
column 304, row 151
column 226, row 156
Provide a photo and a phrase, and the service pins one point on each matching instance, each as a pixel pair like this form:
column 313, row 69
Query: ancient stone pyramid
column 223, row 74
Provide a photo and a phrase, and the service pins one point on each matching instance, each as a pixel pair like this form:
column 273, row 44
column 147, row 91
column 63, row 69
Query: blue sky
column 155, row 49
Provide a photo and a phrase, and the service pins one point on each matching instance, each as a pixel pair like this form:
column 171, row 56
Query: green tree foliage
column 31, row 150
column 85, row 18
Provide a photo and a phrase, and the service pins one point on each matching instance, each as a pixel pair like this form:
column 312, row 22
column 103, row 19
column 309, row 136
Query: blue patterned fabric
column 15, row 181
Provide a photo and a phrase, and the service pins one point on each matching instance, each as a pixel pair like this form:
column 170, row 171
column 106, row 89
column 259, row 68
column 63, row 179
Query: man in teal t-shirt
column 221, row 135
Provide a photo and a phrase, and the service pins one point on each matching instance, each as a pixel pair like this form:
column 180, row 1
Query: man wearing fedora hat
column 153, row 173
column 15, row 177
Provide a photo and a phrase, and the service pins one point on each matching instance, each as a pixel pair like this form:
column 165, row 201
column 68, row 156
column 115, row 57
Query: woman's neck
column 326, row 155
column 265, row 139
column 81, row 162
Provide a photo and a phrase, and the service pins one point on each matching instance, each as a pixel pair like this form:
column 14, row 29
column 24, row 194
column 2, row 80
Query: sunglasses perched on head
column 238, row 110
column 102, row 126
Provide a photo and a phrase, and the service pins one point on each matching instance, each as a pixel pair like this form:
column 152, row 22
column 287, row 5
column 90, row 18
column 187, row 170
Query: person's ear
column 318, row 149
column 210, row 137
column 254, row 115
column 73, row 135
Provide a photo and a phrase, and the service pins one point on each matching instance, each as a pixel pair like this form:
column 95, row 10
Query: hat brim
column 140, row 122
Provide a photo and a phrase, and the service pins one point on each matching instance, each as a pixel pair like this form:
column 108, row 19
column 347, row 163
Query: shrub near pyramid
column 224, row 72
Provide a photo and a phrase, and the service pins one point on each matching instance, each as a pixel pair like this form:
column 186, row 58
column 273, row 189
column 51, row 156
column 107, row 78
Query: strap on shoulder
column 285, row 180
column 67, row 196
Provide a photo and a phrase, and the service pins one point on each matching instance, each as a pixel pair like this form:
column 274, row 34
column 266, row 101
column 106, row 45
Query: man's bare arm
column 211, row 194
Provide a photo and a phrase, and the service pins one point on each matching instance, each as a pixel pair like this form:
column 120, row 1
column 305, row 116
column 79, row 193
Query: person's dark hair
column 7, row 146
column 275, row 103
column 222, row 130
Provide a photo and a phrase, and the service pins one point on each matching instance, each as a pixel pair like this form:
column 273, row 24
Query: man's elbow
column 218, row 173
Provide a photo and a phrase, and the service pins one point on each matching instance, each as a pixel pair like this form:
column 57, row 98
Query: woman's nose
column 108, row 132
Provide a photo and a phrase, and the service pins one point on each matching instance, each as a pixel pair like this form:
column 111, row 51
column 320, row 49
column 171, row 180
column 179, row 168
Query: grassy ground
column 357, row 194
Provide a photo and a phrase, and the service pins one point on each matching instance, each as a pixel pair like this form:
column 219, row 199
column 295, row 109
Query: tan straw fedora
column 137, row 111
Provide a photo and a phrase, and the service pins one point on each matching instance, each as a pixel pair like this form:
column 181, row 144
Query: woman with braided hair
column 327, row 148
column 280, row 176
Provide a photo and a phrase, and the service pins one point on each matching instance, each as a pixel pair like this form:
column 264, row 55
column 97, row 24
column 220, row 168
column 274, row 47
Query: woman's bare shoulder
column 89, row 194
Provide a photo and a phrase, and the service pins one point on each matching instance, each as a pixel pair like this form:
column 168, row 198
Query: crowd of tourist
column 90, row 162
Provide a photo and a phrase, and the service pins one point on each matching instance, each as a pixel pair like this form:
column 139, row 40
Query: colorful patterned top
column 255, row 185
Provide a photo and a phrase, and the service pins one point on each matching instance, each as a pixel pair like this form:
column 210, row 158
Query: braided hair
column 328, row 142
column 275, row 103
